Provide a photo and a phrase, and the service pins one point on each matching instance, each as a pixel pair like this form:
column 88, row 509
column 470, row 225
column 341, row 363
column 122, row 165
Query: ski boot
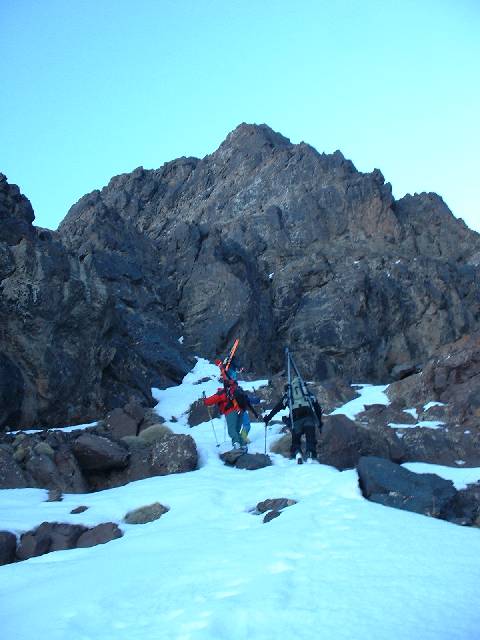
column 299, row 458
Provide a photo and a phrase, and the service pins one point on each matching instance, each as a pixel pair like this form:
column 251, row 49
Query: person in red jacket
column 229, row 407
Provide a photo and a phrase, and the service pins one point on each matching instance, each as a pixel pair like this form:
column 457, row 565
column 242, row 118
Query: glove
column 265, row 421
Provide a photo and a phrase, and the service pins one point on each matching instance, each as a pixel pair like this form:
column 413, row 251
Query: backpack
column 234, row 392
column 241, row 398
column 298, row 394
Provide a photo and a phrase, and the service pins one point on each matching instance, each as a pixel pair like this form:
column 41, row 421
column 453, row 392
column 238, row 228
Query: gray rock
column 389, row 484
column 95, row 453
column 271, row 515
column 11, row 475
column 121, row 424
column 249, row 461
column 8, row 545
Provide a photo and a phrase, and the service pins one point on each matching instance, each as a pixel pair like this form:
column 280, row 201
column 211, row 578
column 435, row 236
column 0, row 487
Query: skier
column 229, row 399
column 301, row 419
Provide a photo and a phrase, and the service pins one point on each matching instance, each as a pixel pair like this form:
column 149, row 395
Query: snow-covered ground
column 333, row 566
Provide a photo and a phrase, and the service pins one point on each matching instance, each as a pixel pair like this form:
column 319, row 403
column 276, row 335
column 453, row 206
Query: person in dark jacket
column 301, row 420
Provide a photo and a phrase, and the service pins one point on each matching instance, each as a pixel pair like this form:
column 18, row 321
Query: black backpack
column 238, row 394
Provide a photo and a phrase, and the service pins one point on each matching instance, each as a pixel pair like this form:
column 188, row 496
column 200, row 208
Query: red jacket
column 225, row 405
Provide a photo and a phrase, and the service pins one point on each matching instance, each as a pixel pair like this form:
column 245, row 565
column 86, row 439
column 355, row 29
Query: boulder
column 173, row 453
column 11, row 475
column 344, row 441
column 274, row 503
column 249, row 461
column 198, row 413
column 95, row 453
column 79, row 509
column 389, row 484
column 100, row 534
column 49, row 536
column 121, row 424
column 145, row 514
column 43, row 472
column 8, row 545
column 464, row 509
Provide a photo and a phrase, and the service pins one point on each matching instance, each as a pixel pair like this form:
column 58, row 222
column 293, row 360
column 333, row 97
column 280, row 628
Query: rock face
column 263, row 239
column 66, row 353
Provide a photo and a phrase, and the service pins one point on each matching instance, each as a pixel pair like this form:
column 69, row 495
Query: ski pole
column 211, row 420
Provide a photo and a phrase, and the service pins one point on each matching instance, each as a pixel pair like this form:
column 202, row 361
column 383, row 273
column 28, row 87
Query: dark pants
column 304, row 426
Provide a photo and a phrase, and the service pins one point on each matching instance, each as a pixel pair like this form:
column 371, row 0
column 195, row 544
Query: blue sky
column 93, row 88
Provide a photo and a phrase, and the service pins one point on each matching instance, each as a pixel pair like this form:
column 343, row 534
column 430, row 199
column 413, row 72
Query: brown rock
column 100, row 534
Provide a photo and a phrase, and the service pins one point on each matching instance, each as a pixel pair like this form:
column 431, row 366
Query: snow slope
column 333, row 566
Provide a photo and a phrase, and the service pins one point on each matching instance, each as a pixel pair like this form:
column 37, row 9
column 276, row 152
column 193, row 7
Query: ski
column 225, row 365
column 291, row 363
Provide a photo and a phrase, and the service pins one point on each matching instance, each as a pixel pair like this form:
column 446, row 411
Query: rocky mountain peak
column 264, row 240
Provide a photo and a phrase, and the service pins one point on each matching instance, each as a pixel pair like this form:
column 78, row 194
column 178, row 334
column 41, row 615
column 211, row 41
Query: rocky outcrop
column 172, row 453
column 79, row 462
column 54, row 536
column 263, row 239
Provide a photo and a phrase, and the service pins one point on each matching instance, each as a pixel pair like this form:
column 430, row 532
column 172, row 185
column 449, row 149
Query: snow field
column 333, row 566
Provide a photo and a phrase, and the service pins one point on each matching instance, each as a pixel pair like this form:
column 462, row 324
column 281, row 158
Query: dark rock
column 72, row 479
column 275, row 503
column 198, row 413
column 121, row 424
column 65, row 536
column 230, row 457
column 95, row 453
column 464, row 509
column 11, row 475
column 343, row 442
column 271, row 515
column 250, row 461
column 80, row 509
column 174, row 453
column 35, row 543
column 8, row 545
column 389, row 484
column 145, row 514
column 54, row 495
column 100, row 534
column 43, row 472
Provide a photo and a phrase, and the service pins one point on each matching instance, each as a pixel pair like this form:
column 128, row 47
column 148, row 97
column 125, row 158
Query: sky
column 94, row 88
